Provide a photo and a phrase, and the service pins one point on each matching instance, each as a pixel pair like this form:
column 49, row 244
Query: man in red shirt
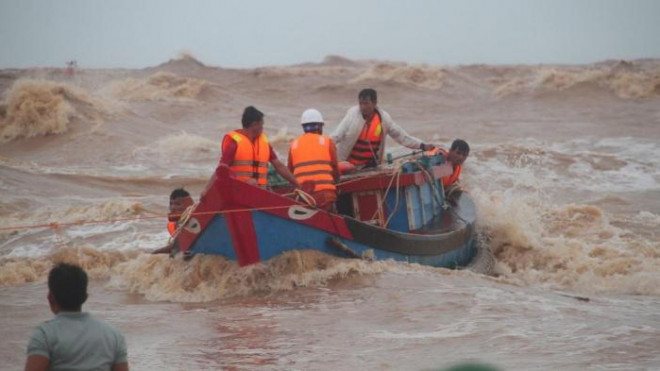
column 247, row 152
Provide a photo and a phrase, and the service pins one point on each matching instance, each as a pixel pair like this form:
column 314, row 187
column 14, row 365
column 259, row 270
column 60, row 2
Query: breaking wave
column 543, row 209
column 208, row 278
column 301, row 71
column 204, row 278
column 105, row 210
column 98, row 264
column 74, row 214
column 337, row 60
column 600, row 165
column 625, row 83
column 427, row 77
column 569, row 247
column 181, row 147
column 160, row 86
column 39, row 107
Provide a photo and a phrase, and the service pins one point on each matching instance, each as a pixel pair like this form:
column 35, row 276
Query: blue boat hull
column 415, row 224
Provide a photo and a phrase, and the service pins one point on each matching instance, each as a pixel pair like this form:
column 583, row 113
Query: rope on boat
column 436, row 194
column 183, row 220
column 397, row 176
column 397, row 197
column 184, row 217
column 305, row 197
column 56, row 225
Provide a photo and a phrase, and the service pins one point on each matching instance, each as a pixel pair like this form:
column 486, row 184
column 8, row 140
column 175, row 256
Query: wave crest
column 301, row 71
column 208, row 278
column 572, row 247
column 160, row 86
column 112, row 209
column 427, row 77
column 98, row 264
column 39, row 107
column 180, row 147
column 625, row 83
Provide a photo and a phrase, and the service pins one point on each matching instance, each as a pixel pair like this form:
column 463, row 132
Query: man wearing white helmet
column 360, row 136
column 313, row 160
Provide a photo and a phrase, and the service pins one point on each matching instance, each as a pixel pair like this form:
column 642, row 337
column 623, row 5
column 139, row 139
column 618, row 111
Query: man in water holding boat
column 360, row 137
column 180, row 201
column 313, row 160
column 458, row 153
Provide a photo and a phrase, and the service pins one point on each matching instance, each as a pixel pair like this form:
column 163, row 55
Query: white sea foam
column 603, row 165
column 571, row 215
column 456, row 329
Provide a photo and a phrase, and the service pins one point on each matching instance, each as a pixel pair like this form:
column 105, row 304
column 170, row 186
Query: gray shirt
column 78, row 341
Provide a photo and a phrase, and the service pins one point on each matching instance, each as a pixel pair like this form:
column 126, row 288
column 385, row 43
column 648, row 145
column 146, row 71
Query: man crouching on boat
column 360, row 137
column 313, row 160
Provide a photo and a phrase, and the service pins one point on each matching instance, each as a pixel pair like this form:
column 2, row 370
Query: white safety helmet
column 311, row 116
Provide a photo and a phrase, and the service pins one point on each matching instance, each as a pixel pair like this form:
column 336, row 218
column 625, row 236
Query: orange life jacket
column 366, row 148
column 171, row 227
column 311, row 161
column 450, row 179
column 251, row 160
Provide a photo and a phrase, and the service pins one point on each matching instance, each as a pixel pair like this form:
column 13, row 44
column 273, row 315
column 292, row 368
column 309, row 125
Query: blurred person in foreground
column 73, row 340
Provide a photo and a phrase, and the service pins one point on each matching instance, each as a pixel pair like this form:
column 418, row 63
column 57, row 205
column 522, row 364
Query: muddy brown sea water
column 564, row 170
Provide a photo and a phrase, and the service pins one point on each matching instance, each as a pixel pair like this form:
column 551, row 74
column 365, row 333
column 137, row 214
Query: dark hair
column 179, row 193
column 311, row 127
column 459, row 145
column 368, row 93
column 250, row 115
column 68, row 284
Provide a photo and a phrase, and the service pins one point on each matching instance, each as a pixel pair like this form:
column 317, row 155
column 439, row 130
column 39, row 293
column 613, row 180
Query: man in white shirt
column 360, row 137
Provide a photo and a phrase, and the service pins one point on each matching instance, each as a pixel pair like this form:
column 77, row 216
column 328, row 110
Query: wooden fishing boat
column 395, row 212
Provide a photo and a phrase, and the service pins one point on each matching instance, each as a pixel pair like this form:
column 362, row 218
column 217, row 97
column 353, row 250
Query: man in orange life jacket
column 457, row 155
column 247, row 152
column 313, row 160
column 360, row 137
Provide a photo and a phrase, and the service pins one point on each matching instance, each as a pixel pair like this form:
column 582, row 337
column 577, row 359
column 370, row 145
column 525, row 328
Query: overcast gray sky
column 141, row 33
